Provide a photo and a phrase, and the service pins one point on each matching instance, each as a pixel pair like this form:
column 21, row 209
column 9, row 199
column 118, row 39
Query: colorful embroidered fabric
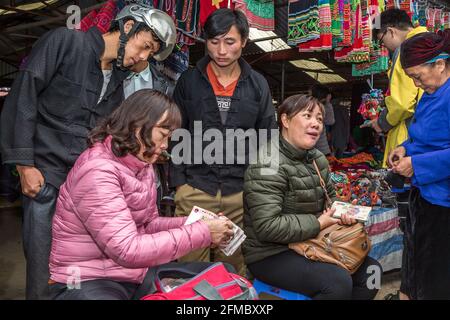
column 101, row 18
column 325, row 41
column 379, row 62
column 303, row 21
column 187, row 14
column 260, row 13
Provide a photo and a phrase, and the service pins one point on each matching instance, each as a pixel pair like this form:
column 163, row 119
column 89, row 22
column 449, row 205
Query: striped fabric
column 386, row 237
column 260, row 14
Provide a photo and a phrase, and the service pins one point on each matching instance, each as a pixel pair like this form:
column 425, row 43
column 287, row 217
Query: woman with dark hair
column 106, row 228
column 425, row 157
column 288, row 206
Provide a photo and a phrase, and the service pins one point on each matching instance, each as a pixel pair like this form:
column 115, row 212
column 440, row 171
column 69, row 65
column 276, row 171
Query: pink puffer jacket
column 106, row 224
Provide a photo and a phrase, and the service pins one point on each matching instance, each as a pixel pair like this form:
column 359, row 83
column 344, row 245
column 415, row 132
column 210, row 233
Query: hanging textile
column 303, row 21
column 101, row 18
column 325, row 40
column 174, row 65
column 260, row 13
column 186, row 16
column 209, row 6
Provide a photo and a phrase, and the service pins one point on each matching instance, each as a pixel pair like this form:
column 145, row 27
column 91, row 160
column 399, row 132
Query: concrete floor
column 12, row 261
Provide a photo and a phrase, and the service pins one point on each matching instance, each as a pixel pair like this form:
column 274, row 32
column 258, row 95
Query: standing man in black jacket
column 224, row 94
column 71, row 79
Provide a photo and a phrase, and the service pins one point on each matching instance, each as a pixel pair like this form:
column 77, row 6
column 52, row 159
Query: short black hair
column 395, row 18
column 320, row 92
column 221, row 21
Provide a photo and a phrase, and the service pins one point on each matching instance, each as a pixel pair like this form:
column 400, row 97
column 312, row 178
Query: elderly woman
column 425, row 157
column 288, row 206
column 106, row 228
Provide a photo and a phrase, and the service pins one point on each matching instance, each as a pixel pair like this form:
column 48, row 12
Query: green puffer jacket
column 283, row 207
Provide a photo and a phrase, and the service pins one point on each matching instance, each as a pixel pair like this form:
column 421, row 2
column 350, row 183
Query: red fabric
column 209, row 6
column 226, row 284
column 423, row 47
column 101, row 19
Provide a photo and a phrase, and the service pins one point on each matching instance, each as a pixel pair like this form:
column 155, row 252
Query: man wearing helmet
column 71, row 80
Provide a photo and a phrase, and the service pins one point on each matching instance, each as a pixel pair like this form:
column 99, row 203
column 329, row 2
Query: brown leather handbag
column 345, row 246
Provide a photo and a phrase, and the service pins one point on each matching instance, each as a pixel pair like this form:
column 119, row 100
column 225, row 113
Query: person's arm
column 100, row 204
column 177, row 172
column 432, row 166
column 264, row 197
column 18, row 119
column 401, row 102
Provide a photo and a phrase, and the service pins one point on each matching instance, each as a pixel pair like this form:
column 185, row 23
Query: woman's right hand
column 396, row 155
column 221, row 231
column 326, row 218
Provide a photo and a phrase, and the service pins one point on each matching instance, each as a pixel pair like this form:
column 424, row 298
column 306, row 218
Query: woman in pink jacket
column 106, row 228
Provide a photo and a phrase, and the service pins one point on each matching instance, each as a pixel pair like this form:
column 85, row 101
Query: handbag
column 213, row 283
column 345, row 246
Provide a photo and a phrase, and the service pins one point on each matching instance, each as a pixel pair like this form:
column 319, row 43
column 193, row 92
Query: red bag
column 213, row 283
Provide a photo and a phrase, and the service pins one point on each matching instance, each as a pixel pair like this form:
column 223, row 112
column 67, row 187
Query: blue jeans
column 37, row 239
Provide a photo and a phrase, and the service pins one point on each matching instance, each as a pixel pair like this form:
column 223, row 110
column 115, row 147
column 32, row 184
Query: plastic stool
column 262, row 287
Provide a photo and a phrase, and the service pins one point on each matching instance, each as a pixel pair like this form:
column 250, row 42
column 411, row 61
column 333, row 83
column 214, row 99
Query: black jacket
column 53, row 102
column 251, row 108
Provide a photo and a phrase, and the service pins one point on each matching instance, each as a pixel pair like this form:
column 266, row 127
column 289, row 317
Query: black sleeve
column 18, row 119
column 177, row 175
column 266, row 119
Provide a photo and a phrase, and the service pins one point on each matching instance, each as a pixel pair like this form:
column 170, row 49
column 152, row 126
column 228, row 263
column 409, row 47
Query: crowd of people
column 87, row 120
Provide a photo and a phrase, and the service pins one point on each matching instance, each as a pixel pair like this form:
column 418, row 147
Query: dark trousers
column 427, row 265
column 37, row 238
column 319, row 281
column 403, row 213
column 103, row 289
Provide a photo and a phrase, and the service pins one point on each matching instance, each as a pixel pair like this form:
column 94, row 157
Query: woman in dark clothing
column 288, row 206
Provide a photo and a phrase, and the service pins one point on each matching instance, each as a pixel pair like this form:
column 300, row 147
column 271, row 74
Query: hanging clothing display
column 325, row 40
column 303, row 21
column 260, row 13
column 209, row 6
column 101, row 18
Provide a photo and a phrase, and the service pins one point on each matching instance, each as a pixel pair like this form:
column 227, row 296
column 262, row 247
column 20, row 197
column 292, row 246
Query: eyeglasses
column 380, row 41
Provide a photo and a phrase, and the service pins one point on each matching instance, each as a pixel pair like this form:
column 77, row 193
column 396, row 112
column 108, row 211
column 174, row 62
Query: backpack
column 213, row 283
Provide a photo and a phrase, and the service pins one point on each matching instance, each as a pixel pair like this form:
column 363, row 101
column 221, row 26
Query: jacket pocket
column 63, row 99
column 245, row 115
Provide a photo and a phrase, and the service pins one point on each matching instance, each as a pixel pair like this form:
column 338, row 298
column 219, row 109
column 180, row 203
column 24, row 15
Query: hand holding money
column 221, row 231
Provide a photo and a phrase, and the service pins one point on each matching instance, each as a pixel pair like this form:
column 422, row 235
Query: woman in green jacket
column 288, row 206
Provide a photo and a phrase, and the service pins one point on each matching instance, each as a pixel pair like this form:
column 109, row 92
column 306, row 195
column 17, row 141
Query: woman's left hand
column 404, row 167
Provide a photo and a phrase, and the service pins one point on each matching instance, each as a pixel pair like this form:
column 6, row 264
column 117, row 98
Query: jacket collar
column 416, row 31
column 294, row 153
column 129, row 160
column 203, row 63
column 95, row 41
